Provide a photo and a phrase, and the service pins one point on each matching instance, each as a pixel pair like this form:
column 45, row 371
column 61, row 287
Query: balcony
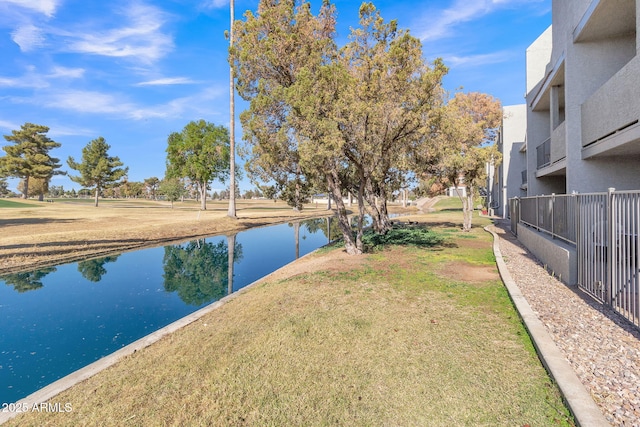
column 610, row 116
column 552, row 160
column 543, row 154
column 595, row 25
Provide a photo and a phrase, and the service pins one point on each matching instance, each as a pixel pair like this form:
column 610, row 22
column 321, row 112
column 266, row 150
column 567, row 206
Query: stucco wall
column 537, row 57
column 514, row 127
column 560, row 258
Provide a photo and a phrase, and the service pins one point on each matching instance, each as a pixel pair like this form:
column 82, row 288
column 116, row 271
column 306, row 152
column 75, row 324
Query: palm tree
column 232, row 143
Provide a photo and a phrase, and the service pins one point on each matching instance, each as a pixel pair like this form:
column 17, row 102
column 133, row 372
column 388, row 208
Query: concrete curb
column 579, row 401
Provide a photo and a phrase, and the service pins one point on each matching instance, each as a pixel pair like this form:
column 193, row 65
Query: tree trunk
column 468, row 210
column 343, row 220
column 202, row 189
column 379, row 214
column 362, row 212
column 25, row 190
column 95, row 201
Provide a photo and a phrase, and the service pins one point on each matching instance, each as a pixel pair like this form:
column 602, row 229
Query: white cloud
column 70, row 131
column 167, row 81
column 477, row 60
column 84, row 102
column 460, row 11
column 141, row 37
column 8, row 82
column 34, row 80
column 27, row 81
column 217, row 4
column 46, row 7
column 117, row 105
column 8, row 125
column 28, row 37
column 64, row 72
column 196, row 105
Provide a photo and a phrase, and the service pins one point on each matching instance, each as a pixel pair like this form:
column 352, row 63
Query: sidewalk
column 602, row 349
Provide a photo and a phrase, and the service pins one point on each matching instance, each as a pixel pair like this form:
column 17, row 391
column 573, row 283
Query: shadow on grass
column 32, row 221
column 403, row 235
column 448, row 209
column 77, row 243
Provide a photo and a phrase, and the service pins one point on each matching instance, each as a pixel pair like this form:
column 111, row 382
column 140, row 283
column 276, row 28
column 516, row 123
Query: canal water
column 59, row 319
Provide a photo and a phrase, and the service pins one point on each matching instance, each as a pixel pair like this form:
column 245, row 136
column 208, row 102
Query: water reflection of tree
column 28, row 281
column 199, row 270
column 93, row 269
column 329, row 227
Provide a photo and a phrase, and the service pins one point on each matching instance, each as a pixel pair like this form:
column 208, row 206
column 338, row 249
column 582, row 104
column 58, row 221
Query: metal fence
column 592, row 244
column 624, row 261
column 605, row 228
column 554, row 215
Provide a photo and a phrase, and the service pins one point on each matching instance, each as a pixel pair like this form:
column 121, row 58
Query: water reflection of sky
column 84, row 311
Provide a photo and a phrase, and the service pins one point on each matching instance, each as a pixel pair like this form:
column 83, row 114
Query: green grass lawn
column 4, row 203
column 406, row 335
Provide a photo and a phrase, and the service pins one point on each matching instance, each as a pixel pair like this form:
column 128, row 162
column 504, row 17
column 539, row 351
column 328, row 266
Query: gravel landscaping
column 602, row 348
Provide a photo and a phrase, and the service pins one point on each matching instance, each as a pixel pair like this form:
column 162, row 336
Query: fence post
column 553, row 223
column 575, row 214
column 537, row 213
column 610, row 247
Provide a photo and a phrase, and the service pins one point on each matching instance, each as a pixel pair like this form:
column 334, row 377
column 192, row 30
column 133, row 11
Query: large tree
column 201, row 153
column 173, row 189
column 4, row 188
column 29, row 157
column 387, row 108
column 270, row 51
column 98, row 170
column 37, row 186
column 466, row 144
column 151, row 186
column 346, row 120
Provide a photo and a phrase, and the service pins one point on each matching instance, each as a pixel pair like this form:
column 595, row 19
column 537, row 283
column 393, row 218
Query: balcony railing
column 555, row 215
column 544, row 154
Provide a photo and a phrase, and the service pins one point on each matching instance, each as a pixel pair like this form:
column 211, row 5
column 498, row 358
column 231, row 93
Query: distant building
column 509, row 180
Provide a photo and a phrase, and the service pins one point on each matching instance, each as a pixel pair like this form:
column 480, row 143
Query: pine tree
column 98, row 170
column 29, row 157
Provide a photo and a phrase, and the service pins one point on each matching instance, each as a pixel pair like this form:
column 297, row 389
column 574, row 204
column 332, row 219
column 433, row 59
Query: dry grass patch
column 373, row 340
column 42, row 234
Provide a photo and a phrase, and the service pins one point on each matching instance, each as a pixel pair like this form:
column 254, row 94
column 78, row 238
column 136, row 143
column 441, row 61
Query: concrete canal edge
column 576, row 396
column 46, row 394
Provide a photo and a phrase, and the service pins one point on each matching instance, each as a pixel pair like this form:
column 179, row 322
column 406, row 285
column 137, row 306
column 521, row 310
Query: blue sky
column 134, row 71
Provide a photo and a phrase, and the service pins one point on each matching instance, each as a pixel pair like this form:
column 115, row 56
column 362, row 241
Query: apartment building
column 583, row 139
column 510, row 179
column 583, row 99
